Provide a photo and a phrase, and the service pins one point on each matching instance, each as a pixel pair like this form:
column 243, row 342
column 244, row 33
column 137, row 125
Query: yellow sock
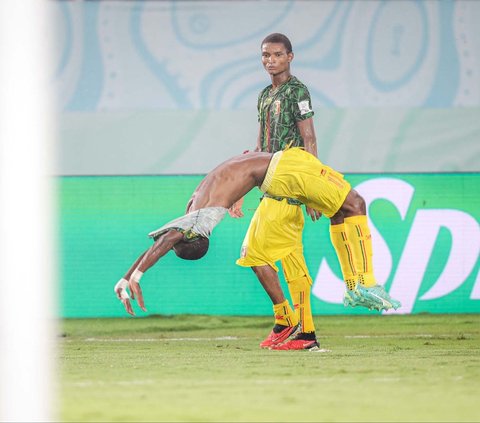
column 360, row 238
column 284, row 314
column 300, row 293
column 345, row 254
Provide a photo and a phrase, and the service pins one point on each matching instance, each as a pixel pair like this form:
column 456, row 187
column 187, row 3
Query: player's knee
column 337, row 218
column 354, row 205
column 359, row 205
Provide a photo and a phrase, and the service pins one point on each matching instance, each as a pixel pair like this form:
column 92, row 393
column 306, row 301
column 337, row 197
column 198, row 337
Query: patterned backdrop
column 170, row 87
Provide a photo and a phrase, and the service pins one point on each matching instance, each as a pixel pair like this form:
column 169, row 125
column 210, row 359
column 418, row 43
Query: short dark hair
column 276, row 37
column 192, row 250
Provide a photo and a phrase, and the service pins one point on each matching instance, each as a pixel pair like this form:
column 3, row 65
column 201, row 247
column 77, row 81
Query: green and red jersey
column 279, row 110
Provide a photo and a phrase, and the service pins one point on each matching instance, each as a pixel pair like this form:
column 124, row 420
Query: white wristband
column 136, row 275
column 122, row 287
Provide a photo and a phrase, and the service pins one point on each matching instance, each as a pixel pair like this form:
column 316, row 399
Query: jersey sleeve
column 259, row 104
column 302, row 103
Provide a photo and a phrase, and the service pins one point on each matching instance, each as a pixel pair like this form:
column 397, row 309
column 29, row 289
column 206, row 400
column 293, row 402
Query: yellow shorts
column 275, row 231
column 297, row 174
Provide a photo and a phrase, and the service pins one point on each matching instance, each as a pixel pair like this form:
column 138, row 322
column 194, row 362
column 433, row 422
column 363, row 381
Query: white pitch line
column 420, row 335
column 89, row 383
column 320, row 350
column 220, row 338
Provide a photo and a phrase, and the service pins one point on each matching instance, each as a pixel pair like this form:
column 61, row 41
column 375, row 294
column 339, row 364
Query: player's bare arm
column 307, row 131
column 235, row 210
column 259, row 139
column 161, row 246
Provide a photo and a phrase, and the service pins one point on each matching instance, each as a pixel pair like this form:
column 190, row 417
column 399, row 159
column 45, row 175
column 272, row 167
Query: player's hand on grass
column 314, row 214
column 136, row 293
column 236, row 210
column 128, row 306
column 122, row 294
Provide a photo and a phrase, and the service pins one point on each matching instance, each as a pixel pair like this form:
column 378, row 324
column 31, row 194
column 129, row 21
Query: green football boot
column 373, row 298
column 353, row 297
column 379, row 298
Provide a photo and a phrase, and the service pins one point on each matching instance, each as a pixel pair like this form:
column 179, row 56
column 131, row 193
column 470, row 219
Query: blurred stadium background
column 153, row 94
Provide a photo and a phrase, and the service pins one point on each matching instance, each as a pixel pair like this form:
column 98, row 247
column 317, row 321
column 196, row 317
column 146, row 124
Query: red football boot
column 302, row 341
column 278, row 335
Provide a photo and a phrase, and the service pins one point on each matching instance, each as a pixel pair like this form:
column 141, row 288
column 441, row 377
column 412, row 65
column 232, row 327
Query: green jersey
column 279, row 111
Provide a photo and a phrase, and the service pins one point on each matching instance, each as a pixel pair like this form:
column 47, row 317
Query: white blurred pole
column 27, row 262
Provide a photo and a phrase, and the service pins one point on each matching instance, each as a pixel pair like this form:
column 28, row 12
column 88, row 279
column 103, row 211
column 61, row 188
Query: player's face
column 275, row 58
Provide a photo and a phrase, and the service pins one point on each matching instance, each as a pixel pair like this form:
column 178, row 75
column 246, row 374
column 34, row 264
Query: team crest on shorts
column 243, row 252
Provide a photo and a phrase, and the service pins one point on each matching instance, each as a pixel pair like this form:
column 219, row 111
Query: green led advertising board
column 425, row 232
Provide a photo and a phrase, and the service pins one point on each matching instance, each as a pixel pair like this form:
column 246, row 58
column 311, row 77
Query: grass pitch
column 399, row 368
